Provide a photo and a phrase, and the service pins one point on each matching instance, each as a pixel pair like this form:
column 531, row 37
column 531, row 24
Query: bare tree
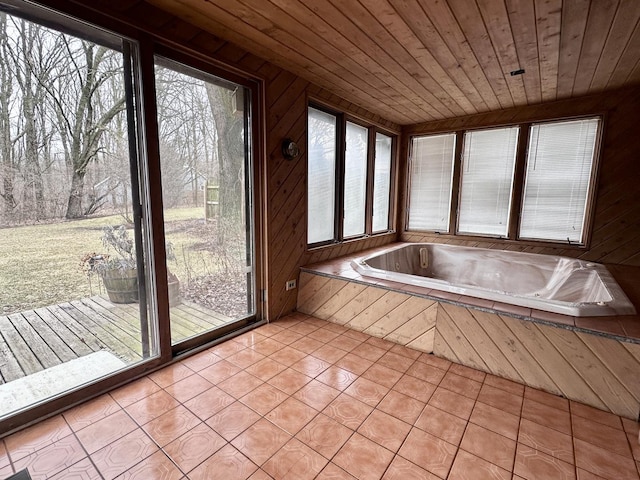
column 7, row 166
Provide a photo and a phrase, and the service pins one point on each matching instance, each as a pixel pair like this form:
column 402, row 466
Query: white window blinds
column 321, row 176
column 355, row 180
column 381, row 183
column 487, row 170
column 559, row 167
column 431, row 177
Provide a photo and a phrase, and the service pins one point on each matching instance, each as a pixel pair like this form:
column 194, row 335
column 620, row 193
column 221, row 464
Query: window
column 321, row 167
column 488, row 161
column 431, row 182
column 349, row 169
column 559, row 166
column 553, row 181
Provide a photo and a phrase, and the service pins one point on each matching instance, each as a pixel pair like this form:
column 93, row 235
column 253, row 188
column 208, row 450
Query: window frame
column 338, row 214
column 519, row 178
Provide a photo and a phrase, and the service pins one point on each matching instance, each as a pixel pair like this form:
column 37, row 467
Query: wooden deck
column 34, row 340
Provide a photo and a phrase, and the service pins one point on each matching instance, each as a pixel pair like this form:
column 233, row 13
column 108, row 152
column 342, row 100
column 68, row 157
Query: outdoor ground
column 41, row 264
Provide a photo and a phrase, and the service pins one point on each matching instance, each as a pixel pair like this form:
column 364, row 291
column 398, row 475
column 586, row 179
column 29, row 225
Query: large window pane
column 487, row 179
column 72, row 293
column 321, row 176
column 382, row 183
column 559, row 166
column 431, row 177
column 206, row 187
column 355, row 180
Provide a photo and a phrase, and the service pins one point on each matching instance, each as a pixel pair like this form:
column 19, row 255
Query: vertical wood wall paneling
column 616, row 225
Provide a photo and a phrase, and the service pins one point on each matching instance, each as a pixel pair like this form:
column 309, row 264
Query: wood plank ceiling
column 413, row 61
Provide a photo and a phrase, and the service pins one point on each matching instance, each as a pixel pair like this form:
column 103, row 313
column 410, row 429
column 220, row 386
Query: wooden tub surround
column 593, row 360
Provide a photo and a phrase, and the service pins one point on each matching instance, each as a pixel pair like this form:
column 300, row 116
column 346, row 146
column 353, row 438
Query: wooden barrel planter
column 121, row 285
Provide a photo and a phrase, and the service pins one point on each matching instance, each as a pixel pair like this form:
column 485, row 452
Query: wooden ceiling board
column 522, row 18
column 415, row 61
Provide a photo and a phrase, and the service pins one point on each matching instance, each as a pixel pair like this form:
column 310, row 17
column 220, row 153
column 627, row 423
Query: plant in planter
column 118, row 271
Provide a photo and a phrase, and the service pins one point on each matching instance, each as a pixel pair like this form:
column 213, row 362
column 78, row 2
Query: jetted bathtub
column 544, row 282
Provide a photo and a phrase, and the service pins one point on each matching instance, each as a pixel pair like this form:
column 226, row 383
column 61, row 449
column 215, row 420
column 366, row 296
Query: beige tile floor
column 302, row 398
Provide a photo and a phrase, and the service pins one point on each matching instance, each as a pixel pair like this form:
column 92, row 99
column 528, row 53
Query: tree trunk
column 74, row 206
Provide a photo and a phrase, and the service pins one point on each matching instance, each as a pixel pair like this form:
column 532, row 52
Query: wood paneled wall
column 616, row 229
column 285, row 107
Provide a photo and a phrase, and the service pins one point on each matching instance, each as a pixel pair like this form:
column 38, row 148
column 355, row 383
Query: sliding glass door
column 203, row 124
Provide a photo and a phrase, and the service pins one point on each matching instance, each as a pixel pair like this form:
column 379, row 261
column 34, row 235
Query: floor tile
column 260, row 475
column 385, row 430
column 345, row 343
column 36, row 437
column 200, row 360
column 461, row 385
column 323, row 335
column 380, row 343
column 324, row 435
column 500, row 399
column 268, row 346
column 260, row 441
column 264, row 398
column 405, row 351
column 219, row 372
column 194, row 447
column 467, row 372
column 291, row 415
column 105, row 431
column 601, row 435
column 209, row 403
column 83, row 470
column 401, row 406
column 403, row 469
column 415, row 388
column 604, row 463
column 245, row 358
column 396, row 361
column 52, row 459
column 504, row 384
column 240, row 384
column 355, row 364
column 546, row 398
column 225, row 464
column 249, row 338
column 148, row 408
column 287, row 356
column 155, row 466
column 119, row 456
column 316, row 394
column 546, row 440
column 367, row 391
column 369, row 352
column 469, row 467
column 135, row 391
column 90, row 412
column 289, row 381
column 287, row 337
column 532, row 464
column 233, row 420
column 295, row 461
column 348, row 411
column 443, row 425
column 310, row 366
column 489, row 446
column 546, row 415
column 329, row 353
column 171, row 374
column 226, row 349
column 591, row 413
column 382, row 375
column 171, row 425
column 307, row 345
column 363, row 458
column 495, row 420
column 452, row 402
column 337, row 378
column 266, row 369
column 426, row 372
column 431, row 359
column 333, row 472
column 429, row 452
column 188, row 388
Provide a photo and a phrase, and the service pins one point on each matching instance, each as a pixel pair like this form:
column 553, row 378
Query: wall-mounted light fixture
column 290, row 149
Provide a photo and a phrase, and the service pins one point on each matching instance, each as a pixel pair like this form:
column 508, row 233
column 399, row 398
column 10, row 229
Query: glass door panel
column 208, row 210
column 72, row 290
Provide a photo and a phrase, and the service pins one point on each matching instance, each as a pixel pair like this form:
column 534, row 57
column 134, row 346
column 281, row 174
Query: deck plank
column 10, row 369
column 50, row 338
column 75, row 342
column 28, row 361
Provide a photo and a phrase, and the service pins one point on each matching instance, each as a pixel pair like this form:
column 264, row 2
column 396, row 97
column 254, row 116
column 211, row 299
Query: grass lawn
column 41, row 264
